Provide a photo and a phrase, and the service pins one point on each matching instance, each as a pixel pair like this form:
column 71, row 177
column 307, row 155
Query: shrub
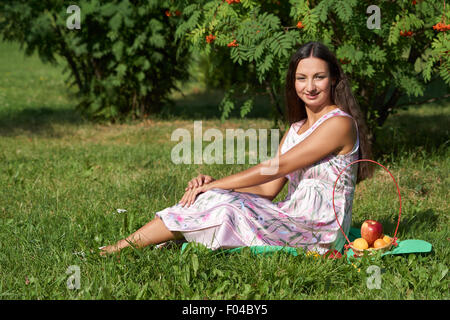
column 124, row 59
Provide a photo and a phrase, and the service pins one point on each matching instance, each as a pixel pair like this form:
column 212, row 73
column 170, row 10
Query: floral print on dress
column 305, row 218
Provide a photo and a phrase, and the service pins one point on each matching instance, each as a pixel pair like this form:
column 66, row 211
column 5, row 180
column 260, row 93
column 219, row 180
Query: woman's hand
column 199, row 181
column 195, row 187
column 191, row 194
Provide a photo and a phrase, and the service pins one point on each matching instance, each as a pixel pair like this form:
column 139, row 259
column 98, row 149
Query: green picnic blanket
column 404, row 247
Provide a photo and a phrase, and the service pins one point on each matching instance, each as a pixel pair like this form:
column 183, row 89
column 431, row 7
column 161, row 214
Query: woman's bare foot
column 154, row 232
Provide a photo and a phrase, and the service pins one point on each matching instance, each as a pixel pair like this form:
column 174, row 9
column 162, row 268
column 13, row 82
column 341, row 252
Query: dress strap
column 296, row 138
column 328, row 115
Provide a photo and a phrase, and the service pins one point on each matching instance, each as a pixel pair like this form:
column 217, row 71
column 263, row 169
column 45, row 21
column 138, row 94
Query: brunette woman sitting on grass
column 327, row 132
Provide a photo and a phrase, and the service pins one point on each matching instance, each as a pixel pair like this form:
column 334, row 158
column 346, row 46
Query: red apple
column 371, row 230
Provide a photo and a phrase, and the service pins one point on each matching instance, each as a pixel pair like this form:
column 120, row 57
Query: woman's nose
column 310, row 86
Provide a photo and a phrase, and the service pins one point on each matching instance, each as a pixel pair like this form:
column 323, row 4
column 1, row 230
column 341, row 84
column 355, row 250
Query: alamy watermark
column 374, row 21
column 374, row 281
column 73, row 282
column 74, row 20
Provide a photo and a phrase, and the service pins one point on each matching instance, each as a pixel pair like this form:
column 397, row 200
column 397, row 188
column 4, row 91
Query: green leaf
column 115, row 22
column 194, row 260
column 117, row 50
column 246, row 107
column 322, row 8
column 121, row 69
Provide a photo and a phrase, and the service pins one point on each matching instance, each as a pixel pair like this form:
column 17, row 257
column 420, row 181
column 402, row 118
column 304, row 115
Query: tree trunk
column 273, row 99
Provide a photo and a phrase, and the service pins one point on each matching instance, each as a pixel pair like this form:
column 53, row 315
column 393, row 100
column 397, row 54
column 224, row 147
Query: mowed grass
column 62, row 180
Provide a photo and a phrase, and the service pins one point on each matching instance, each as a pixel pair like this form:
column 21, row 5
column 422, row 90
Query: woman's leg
column 154, row 232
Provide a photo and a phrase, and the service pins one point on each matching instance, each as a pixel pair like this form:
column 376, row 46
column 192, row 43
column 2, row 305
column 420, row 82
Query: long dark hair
column 341, row 96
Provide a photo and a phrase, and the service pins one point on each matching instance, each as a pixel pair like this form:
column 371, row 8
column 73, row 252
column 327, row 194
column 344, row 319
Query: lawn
column 63, row 178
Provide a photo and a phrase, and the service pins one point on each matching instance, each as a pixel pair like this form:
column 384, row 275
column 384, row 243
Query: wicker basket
column 393, row 240
column 359, row 252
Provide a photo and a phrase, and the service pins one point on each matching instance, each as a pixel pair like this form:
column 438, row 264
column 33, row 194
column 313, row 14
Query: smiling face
column 313, row 82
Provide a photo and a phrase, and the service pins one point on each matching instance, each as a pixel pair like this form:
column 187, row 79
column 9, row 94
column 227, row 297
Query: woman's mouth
column 312, row 96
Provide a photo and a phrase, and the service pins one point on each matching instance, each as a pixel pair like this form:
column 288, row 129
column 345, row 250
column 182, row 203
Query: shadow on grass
column 205, row 105
column 37, row 121
column 199, row 106
column 418, row 222
column 413, row 132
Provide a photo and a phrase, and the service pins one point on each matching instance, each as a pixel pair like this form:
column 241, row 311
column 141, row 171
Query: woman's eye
column 317, row 77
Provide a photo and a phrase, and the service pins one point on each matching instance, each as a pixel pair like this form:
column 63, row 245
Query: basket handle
column 399, row 198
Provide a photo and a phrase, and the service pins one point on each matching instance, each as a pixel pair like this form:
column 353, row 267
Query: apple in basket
column 371, row 230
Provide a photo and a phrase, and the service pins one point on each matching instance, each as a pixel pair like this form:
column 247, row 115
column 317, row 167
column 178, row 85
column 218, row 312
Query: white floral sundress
column 222, row 218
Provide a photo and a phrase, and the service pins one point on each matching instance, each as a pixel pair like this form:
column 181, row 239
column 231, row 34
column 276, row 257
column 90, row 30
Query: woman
column 327, row 133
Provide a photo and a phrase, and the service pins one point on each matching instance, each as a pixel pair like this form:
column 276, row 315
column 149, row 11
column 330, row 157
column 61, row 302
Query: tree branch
column 273, row 99
column 66, row 53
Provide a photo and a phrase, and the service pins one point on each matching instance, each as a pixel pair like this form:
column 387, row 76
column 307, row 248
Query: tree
column 123, row 59
column 407, row 51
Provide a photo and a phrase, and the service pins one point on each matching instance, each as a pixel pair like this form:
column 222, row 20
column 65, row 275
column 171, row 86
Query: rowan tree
column 398, row 58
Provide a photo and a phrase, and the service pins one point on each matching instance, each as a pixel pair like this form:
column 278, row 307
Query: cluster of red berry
column 406, row 33
column 210, row 38
column 300, row 25
column 441, row 27
column 233, row 44
column 176, row 13
column 232, row 1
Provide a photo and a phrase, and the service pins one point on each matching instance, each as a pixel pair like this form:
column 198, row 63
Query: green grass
column 62, row 179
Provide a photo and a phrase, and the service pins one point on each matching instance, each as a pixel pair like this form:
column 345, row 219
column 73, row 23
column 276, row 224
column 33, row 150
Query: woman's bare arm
column 270, row 189
column 330, row 137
